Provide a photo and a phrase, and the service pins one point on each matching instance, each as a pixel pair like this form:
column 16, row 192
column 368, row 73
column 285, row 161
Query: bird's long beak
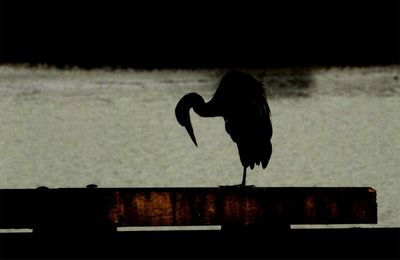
column 189, row 129
column 183, row 116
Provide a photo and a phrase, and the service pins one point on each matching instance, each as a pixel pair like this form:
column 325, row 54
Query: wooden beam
column 124, row 207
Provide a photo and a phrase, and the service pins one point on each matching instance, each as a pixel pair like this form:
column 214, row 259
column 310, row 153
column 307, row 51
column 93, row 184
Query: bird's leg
column 244, row 177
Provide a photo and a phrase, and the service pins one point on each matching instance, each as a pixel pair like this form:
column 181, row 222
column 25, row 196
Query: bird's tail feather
column 251, row 155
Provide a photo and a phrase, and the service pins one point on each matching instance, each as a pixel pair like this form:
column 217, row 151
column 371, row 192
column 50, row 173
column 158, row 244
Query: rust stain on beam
column 187, row 206
column 215, row 206
column 168, row 207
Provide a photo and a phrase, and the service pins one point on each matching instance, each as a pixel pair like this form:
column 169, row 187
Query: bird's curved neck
column 204, row 109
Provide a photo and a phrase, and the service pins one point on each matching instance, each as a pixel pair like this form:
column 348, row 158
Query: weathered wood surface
column 119, row 207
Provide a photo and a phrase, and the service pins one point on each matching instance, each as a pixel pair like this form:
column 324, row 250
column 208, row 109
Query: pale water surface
column 117, row 128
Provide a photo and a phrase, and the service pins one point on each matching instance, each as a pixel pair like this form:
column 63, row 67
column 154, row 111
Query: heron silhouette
column 241, row 100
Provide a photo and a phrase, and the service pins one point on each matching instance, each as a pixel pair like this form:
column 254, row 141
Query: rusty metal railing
column 109, row 208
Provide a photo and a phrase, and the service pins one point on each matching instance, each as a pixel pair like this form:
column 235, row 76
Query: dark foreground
column 355, row 243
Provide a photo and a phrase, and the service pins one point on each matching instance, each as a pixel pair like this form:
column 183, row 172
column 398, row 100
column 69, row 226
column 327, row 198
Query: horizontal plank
column 123, row 207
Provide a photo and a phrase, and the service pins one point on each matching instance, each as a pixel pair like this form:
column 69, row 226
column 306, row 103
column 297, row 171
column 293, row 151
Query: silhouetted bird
column 240, row 99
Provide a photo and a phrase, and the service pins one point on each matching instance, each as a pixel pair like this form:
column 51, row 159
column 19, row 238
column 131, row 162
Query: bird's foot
column 237, row 186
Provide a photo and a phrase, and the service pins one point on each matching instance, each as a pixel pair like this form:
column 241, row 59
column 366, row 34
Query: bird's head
column 182, row 109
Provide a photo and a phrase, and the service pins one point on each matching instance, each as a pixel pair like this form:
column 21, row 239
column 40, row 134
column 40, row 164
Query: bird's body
column 240, row 99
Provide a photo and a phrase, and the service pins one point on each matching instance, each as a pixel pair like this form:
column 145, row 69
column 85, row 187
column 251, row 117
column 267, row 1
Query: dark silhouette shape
column 240, row 99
